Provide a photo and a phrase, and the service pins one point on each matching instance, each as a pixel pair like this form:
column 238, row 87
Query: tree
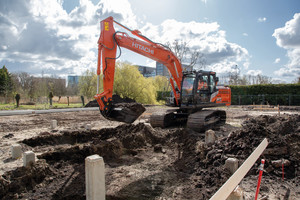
column 41, row 87
column 162, row 83
column 88, row 84
column 72, row 89
column 25, row 84
column 234, row 76
column 129, row 82
column 187, row 55
column 263, row 79
column 59, row 86
column 6, row 84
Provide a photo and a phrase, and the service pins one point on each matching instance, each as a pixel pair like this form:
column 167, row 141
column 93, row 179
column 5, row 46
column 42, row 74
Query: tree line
column 30, row 87
column 129, row 82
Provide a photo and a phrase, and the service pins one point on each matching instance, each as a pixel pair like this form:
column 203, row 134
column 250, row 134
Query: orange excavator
column 193, row 90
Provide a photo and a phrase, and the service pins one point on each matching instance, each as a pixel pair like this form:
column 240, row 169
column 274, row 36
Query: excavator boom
column 108, row 43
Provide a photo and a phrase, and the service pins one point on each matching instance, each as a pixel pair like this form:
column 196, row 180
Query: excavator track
column 162, row 119
column 202, row 120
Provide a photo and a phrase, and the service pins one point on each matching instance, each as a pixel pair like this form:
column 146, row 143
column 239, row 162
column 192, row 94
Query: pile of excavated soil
column 146, row 163
column 283, row 134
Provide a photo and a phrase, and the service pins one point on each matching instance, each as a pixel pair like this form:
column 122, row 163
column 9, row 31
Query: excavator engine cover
column 124, row 110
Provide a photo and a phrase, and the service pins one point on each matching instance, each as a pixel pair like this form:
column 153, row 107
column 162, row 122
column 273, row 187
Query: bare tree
column 59, row 87
column 234, row 77
column 264, row 79
column 25, row 84
column 186, row 54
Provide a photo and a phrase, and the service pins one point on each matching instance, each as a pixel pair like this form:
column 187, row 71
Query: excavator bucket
column 126, row 112
column 123, row 110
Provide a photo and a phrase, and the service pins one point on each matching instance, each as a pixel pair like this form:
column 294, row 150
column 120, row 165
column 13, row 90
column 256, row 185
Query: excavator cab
column 198, row 87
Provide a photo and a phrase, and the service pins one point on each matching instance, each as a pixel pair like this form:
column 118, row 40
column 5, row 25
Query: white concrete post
column 53, row 124
column 16, row 151
column 28, row 158
column 88, row 127
column 232, row 164
column 94, row 178
column 210, row 137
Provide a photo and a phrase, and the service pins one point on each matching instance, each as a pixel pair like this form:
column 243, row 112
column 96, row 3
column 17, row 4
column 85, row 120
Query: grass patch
column 39, row 106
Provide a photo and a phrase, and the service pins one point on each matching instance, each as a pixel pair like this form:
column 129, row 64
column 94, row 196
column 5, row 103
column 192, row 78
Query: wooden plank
column 236, row 178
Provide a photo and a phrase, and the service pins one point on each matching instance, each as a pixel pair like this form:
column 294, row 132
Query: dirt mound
column 206, row 163
column 283, row 134
column 284, row 143
column 16, row 182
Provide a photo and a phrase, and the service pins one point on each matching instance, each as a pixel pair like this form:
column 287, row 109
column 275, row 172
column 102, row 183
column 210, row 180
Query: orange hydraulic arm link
column 107, row 47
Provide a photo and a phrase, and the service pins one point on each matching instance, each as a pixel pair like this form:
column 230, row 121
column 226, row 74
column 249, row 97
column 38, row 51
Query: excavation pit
column 135, row 169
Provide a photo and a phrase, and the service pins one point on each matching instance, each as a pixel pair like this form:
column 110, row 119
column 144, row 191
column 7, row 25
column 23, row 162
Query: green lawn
column 39, row 106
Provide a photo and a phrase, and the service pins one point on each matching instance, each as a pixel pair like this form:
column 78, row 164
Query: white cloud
column 151, row 63
column 277, row 60
column 288, row 37
column 220, row 55
column 245, row 34
column 254, row 72
column 262, row 19
column 41, row 36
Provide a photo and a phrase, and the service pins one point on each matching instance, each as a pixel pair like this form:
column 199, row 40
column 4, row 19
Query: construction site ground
column 142, row 162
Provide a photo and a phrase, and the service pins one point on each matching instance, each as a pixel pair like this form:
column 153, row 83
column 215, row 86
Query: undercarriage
column 198, row 121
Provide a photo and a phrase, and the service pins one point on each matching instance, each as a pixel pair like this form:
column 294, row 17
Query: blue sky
column 60, row 37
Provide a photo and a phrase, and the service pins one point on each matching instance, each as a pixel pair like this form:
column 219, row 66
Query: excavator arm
column 108, row 43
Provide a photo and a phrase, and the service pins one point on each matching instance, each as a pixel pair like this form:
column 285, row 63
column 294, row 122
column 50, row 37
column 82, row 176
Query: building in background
column 162, row 70
column 147, row 71
column 73, row 80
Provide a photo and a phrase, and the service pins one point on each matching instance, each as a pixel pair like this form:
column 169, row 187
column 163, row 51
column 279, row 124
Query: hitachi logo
column 141, row 47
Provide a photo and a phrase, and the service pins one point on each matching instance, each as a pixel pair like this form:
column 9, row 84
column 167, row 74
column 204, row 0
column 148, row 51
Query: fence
column 287, row 100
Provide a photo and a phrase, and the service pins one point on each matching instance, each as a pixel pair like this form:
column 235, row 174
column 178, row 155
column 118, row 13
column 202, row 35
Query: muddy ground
column 146, row 163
